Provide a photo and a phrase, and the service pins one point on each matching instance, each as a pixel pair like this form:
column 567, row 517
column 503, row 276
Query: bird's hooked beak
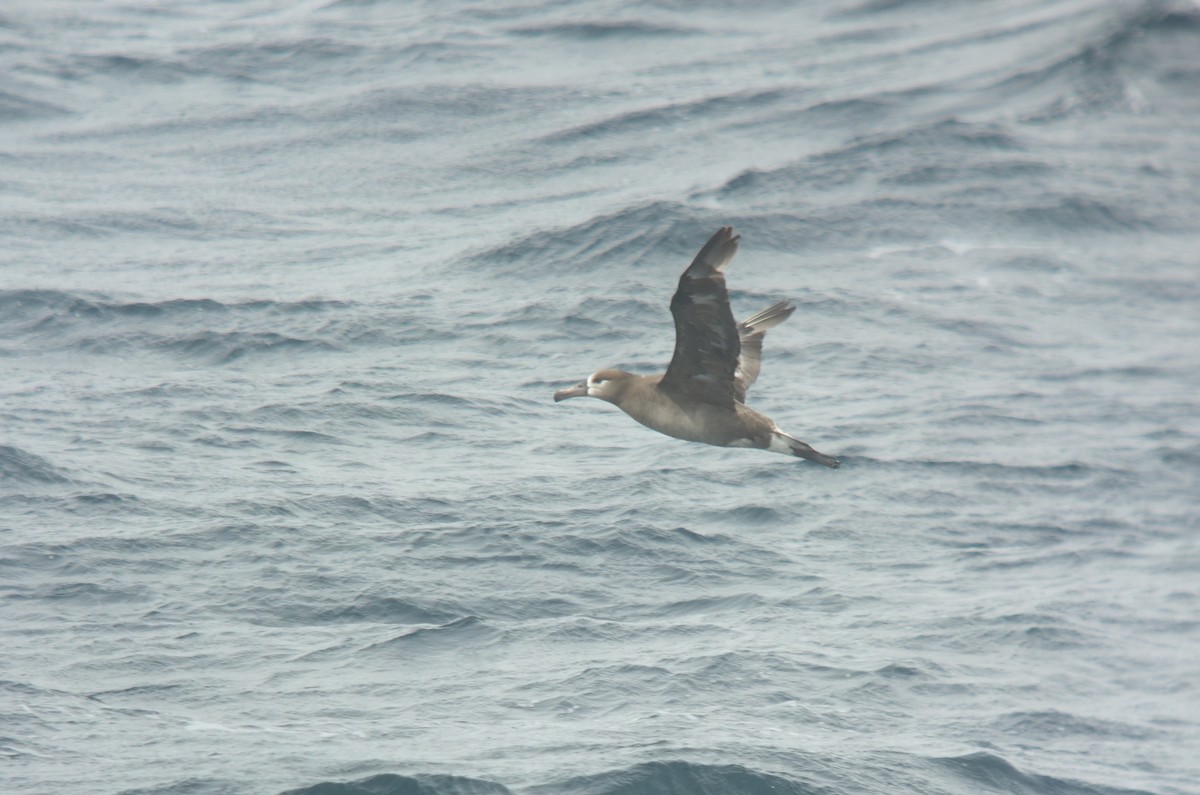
column 579, row 390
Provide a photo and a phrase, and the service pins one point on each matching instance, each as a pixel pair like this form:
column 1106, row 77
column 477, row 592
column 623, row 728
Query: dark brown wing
column 751, row 331
column 706, row 338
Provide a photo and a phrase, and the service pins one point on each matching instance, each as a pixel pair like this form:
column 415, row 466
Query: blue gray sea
column 286, row 287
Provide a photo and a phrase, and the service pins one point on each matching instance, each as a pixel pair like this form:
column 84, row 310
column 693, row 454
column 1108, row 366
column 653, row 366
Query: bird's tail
column 782, row 443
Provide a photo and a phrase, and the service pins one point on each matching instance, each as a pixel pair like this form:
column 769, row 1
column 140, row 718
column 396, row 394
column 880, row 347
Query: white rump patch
column 779, row 444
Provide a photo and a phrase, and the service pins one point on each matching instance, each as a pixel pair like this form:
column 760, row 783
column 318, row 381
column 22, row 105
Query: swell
column 40, row 308
column 599, row 30
column 671, row 115
column 200, row 330
column 1095, row 73
column 996, row 774
column 811, row 775
column 392, row 784
column 617, row 247
column 928, row 181
column 18, row 107
column 18, row 466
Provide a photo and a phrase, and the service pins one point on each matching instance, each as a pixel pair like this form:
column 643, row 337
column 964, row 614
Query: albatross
column 702, row 395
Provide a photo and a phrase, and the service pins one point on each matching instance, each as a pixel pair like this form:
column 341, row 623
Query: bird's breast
column 694, row 422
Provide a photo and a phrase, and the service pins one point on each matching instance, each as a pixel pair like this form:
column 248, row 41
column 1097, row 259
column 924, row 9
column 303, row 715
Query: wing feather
column 707, row 341
column 751, row 332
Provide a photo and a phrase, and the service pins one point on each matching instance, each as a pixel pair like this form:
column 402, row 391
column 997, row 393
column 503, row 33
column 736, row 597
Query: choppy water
column 285, row 289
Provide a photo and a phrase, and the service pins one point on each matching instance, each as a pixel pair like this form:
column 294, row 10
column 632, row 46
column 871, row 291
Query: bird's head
column 604, row 384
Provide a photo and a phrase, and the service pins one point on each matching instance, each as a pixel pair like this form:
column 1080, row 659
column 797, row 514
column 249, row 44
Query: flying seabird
column 702, row 395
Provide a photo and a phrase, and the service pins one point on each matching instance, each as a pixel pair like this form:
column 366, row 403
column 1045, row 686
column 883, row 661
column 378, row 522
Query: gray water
column 285, row 504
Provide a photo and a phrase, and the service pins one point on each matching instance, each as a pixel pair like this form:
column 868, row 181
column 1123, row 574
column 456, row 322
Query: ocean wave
column 895, row 156
column 262, row 60
column 382, row 609
column 677, row 114
column 1095, row 73
column 86, row 594
column 751, row 515
column 599, row 30
column 1001, row 471
column 1182, row 457
column 392, row 784
column 741, row 603
column 999, row 775
column 281, row 60
column 373, row 607
column 227, row 347
column 982, row 772
column 668, row 777
column 45, row 306
column 621, row 243
column 916, row 184
column 151, row 69
column 1054, row 725
column 182, row 328
column 14, row 107
column 620, row 239
column 1083, row 213
column 454, row 637
column 24, row 467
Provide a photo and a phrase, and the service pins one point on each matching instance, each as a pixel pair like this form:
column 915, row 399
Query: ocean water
column 285, row 503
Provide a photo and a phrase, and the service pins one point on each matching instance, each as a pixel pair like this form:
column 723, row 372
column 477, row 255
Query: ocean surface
column 285, row 503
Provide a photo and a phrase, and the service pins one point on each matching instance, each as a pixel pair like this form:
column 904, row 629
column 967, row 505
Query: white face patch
column 595, row 385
